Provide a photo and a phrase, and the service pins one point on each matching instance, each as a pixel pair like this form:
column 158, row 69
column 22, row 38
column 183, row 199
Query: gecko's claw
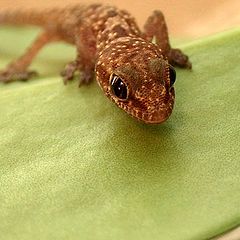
column 8, row 76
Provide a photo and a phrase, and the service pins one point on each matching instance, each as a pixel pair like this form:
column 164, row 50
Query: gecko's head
column 134, row 74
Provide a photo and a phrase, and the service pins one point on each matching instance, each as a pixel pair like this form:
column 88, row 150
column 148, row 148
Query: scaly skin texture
column 131, row 70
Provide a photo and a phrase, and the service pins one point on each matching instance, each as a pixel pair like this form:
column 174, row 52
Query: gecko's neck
column 116, row 29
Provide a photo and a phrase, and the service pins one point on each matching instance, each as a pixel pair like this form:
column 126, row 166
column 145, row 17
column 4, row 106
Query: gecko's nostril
column 172, row 75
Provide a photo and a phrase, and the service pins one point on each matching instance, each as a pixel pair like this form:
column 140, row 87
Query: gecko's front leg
column 86, row 57
column 155, row 27
column 18, row 69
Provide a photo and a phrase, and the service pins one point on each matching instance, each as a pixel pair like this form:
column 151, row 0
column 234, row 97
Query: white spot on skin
column 100, row 22
column 150, row 117
column 96, row 28
column 150, row 108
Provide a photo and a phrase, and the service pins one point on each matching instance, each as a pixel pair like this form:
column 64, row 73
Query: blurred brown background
column 186, row 18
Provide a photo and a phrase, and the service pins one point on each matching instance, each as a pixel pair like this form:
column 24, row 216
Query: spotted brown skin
column 150, row 96
column 133, row 72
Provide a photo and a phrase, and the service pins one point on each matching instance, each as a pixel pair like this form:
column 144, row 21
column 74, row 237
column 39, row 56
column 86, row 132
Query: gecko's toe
column 86, row 77
column 8, row 76
column 189, row 65
column 69, row 71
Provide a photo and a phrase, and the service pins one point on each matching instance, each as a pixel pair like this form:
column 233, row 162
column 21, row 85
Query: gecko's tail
column 25, row 17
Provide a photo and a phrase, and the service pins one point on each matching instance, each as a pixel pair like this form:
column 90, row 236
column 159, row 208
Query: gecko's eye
column 119, row 88
column 172, row 75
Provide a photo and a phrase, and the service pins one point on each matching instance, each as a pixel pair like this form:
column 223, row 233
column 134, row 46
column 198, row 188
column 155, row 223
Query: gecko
column 133, row 67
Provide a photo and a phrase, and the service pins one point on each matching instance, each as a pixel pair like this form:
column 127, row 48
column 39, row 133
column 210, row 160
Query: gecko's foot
column 8, row 76
column 177, row 58
column 86, row 74
column 69, row 71
column 86, row 77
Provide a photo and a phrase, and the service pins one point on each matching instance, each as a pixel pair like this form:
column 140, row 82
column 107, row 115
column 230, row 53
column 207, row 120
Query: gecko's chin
column 156, row 117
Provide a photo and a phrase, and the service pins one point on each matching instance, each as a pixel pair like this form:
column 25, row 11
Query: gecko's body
column 132, row 71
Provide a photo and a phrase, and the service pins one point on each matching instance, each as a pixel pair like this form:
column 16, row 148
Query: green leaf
column 74, row 166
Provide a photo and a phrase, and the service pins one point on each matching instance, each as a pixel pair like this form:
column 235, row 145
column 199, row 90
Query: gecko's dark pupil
column 172, row 74
column 119, row 88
